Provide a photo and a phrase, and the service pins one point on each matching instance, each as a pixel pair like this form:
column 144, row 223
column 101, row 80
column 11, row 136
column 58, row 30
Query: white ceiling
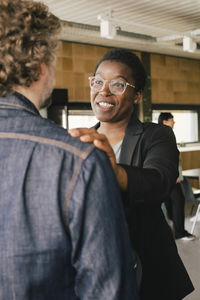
column 146, row 25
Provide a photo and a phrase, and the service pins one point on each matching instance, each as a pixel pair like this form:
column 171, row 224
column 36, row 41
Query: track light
column 107, row 29
column 188, row 44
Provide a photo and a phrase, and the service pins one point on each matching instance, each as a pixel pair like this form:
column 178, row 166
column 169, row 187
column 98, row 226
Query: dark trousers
column 175, row 210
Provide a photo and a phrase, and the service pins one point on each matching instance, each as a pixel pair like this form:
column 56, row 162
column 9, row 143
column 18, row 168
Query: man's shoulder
column 151, row 126
column 154, row 127
column 157, row 133
column 51, row 135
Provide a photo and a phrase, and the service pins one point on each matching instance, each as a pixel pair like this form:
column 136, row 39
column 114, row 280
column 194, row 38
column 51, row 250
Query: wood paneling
column 175, row 80
column 75, row 63
column 190, row 160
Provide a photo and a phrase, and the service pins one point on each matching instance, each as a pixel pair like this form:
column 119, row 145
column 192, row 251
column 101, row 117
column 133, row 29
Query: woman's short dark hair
column 131, row 60
column 164, row 116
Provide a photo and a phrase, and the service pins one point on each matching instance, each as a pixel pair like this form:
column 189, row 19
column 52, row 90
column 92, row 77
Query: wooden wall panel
column 190, row 160
column 75, row 63
column 175, row 80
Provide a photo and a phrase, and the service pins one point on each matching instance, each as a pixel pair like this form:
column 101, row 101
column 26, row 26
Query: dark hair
column 27, row 39
column 131, row 60
column 164, row 116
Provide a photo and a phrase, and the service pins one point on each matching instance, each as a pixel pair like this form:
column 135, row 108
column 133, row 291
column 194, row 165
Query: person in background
column 63, row 233
column 176, row 201
column 144, row 157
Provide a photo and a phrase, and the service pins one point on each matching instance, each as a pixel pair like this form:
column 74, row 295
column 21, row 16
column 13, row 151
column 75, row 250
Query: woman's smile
column 105, row 104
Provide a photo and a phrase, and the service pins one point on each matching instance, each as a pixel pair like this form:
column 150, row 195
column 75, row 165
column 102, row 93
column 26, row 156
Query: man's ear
column 165, row 122
column 43, row 69
column 138, row 97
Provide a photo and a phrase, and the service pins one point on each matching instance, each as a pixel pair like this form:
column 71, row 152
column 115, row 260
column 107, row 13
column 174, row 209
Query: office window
column 186, row 124
column 81, row 118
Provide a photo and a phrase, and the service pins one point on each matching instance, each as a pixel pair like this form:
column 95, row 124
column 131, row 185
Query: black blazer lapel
column 132, row 136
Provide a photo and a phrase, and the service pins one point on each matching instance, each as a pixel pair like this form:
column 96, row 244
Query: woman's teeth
column 105, row 104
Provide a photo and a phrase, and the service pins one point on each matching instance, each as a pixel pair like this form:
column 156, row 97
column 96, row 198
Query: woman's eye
column 119, row 84
column 98, row 82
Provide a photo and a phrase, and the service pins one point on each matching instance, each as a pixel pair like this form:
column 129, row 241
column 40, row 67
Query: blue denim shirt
column 63, row 233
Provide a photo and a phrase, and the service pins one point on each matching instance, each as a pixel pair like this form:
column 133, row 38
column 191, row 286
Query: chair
column 192, row 196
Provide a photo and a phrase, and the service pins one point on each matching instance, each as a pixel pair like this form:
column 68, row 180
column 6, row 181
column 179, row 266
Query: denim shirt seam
column 70, row 189
column 51, row 142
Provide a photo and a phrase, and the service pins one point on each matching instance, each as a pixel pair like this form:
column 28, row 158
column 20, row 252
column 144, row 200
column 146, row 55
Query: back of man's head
column 27, row 39
column 164, row 116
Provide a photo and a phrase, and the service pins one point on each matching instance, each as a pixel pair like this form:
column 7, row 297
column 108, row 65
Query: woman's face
column 109, row 107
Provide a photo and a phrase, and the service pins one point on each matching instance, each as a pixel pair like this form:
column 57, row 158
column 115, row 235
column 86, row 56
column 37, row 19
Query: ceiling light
column 108, row 30
column 188, row 44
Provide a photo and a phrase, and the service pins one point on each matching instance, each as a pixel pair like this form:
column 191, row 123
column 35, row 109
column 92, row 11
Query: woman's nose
column 105, row 88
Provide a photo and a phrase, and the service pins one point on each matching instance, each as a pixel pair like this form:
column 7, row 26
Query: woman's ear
column 138, row 97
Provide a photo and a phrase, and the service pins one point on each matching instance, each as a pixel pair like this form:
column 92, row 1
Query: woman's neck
column 113, row 131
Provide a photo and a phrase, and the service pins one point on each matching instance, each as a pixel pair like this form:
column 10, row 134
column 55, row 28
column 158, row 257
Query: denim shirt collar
column 19, row 101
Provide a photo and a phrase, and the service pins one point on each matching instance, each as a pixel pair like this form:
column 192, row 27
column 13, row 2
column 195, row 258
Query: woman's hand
column 100, row 141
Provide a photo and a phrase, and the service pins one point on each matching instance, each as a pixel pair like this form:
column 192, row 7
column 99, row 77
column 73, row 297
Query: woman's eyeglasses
column 116, row 86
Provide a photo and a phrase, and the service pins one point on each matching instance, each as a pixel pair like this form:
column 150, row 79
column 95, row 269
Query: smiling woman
column 144, row 157
column 113, row 100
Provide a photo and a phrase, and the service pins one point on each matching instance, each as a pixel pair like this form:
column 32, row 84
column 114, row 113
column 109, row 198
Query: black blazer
column 150, row 157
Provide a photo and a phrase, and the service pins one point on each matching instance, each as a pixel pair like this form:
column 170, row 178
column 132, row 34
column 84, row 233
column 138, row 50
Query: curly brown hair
column 27, row 38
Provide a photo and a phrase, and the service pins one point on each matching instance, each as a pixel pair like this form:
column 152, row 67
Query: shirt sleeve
column 101, row 250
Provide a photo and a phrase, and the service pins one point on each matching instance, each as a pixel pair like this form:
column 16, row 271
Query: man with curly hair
column 63, row 233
